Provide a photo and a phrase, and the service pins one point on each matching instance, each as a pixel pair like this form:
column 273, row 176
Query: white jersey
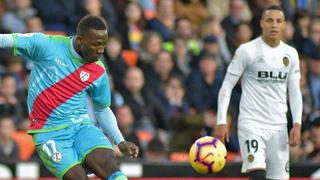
column 265, row 73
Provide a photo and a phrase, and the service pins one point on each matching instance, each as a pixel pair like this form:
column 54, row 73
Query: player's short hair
column 272, row 7
column 91, row 22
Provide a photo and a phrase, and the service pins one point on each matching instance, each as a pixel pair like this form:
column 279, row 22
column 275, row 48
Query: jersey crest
column 285, row 61
column 84, row 76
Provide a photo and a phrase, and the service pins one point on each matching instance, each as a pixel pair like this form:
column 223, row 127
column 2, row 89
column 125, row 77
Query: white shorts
column 265, row 149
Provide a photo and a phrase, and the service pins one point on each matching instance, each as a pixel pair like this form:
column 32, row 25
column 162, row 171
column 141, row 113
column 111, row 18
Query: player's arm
column 101, row 98
column 295, row 100
column 234, row 72
column 294, row 91
column 6, row 40
column 224, row 96
column 228, row 84
column 31, row 45
column 108, row 122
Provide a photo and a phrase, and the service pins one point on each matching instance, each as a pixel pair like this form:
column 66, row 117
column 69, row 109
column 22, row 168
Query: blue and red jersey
column 59, row 82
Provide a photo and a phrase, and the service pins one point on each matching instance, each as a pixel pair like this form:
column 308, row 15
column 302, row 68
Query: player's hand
column 295, row 135
column 222, row 133
column 129, row 149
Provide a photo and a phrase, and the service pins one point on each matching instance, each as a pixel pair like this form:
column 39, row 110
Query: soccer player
column 65, row 70
column 268, row 68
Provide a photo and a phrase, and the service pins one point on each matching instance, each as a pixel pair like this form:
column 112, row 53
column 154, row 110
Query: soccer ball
column 207, row 155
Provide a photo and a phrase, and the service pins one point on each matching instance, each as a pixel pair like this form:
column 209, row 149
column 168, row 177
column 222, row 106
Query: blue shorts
column 62, row 149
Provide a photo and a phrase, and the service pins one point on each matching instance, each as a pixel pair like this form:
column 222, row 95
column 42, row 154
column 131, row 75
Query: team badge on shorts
column 285, row 61
column 287, row 168
column 56, row 157
column 250, row 158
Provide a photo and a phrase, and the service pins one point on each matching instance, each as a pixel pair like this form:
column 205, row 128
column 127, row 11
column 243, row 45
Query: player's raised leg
column 76, row 172
column 103, row 163
column 96, row 153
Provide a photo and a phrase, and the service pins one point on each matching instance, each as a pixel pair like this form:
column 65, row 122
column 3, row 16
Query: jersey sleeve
column 294, row 72
column 100, row 93
column 239, row 62
column 31, row 45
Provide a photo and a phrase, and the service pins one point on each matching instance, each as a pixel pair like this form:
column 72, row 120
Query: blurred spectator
column 112, row 16
column 182, row 56
column 115, row 63
column 229, row 23
column 16, row 67
column 164, row 21
column 34, row 24
column 314, row 156
column 102, row 8
column 118, row 8
column 313, row 7
column 288, row 36
column 210, row 46
column 173, row 99
column 126, row 122
column 206, row 82
column 243, row 34
column 15, row 19
column 155, row 151
column 305, row 88
column 149, row 8
column 23, row 94
column 150, row 47
column 312, row 43
column 94, row 7
column 194, row 10
column 116, row 98
column 23, row 9
column 218, row 8
column 3, row 9
column 158, row 74
column 301, row 23
column 314, row 77
column 314, row 31
column 10, row 105
column 146, row 109
column 184, row 30
column 132, row 28
column 9, row 150
column 212, row 27
column 57, row 15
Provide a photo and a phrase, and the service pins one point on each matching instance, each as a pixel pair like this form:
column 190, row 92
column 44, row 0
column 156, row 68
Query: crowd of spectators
column 166, row 61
